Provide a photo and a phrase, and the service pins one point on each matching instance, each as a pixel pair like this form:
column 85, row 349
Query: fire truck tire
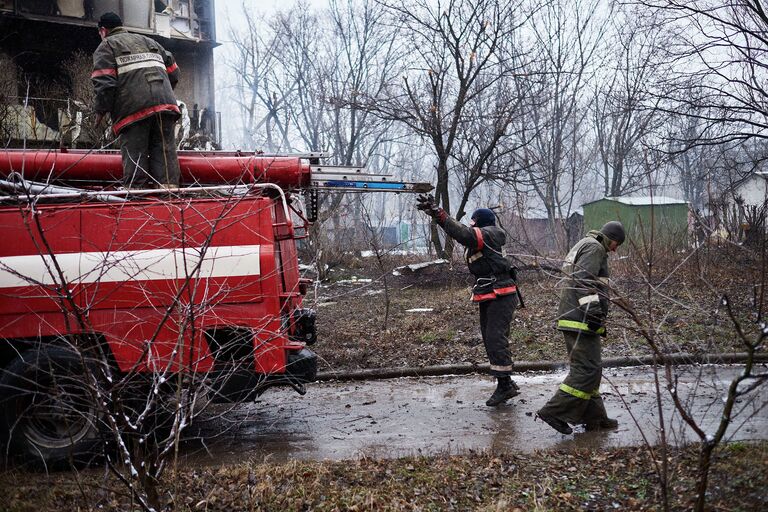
column 47, row 417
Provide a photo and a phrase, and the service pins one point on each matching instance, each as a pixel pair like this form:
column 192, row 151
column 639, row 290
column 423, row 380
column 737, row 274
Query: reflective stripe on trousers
column 573, row 324
column 578, row 393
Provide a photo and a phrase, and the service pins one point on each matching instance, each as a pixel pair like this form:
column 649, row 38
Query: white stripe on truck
column 119, row 266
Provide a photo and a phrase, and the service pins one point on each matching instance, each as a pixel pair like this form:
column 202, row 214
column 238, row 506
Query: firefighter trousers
column 578, row 399
column 149, row 155
column 495, row 318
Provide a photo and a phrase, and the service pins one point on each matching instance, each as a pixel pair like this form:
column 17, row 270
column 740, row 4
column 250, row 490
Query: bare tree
column 302, row 78
column 259, row 96
column 624, row 110
column 719, row 59
column 734, row 406
column 486, row 150
column 557, row 149
column 460, row 55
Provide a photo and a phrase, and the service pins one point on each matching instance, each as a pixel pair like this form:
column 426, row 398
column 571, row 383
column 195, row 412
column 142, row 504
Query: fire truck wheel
column 47, row 415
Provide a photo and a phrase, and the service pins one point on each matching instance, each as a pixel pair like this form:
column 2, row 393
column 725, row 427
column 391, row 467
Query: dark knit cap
column 484, row 217
column 110, row 20
column 614, row 230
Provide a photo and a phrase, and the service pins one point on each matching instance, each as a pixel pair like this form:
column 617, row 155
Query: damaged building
column 46, row 49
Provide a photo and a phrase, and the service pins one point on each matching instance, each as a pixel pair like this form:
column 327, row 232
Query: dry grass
column 680, row 307
column 618, row 479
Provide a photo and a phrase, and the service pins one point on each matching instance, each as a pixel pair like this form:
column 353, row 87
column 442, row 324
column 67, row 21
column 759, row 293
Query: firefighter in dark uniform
column 495, row 290
column 581, row 318
column 134, row 77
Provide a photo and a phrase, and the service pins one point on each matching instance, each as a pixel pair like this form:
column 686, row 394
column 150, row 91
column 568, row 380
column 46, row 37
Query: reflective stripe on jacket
column 485, row 258
column 584, row 297
column 133, row 77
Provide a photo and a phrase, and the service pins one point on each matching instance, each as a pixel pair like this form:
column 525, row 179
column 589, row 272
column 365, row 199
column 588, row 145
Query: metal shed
column 667, row 216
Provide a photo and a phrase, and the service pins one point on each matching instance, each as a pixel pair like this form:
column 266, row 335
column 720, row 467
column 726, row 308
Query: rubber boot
column 555, row 423
column 505, row 389
column 603, row 424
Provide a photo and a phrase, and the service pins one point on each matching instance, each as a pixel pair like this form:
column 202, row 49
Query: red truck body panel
column 152, row 277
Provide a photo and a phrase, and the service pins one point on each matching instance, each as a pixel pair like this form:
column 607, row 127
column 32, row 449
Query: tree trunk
column 443, row 200
column 702, row 475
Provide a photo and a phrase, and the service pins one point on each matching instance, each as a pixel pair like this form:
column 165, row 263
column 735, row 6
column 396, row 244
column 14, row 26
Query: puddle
column 447, row 415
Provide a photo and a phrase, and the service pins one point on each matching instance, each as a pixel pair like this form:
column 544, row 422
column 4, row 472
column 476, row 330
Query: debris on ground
column 420, row 267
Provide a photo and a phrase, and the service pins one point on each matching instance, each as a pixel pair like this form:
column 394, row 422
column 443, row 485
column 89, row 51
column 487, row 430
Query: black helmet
column 483, row 217
column 110, row 20
column 614, row 230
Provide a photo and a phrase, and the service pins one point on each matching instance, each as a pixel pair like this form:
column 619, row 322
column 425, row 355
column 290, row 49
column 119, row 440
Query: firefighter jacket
column 133, row 77
column 485, row 258
column 584, row 297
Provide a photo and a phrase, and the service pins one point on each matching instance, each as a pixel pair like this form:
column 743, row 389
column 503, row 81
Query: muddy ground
column 364, row 319
column 433, row 416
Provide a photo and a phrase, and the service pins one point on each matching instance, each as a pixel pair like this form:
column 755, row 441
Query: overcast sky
column 227, row 11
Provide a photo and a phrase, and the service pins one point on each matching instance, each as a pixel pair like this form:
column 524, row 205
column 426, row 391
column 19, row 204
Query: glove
column 426, row 203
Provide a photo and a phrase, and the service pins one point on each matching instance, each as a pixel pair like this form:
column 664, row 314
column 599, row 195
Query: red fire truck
column 200, row 281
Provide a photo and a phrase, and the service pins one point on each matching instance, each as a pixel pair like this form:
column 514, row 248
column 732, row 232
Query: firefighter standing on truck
column 495, row 290
column 581, row 318
column 134, row 77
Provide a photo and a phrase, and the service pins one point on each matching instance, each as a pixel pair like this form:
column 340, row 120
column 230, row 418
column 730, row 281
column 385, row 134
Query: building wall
column 754, row 191
column 9, row 85
column 196, row 85
column 669, row 221
column 534, row 236
column 41, row 63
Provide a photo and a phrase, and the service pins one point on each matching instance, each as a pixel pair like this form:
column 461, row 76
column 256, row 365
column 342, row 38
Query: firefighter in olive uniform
column 581, row 317
column 133, row 77
column 495, row 290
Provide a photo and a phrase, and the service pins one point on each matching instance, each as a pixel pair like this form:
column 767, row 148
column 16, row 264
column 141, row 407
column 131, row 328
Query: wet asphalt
column 447, row 415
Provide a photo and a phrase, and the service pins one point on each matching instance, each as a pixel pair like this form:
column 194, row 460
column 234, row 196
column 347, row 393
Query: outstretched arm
column 466, row 236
